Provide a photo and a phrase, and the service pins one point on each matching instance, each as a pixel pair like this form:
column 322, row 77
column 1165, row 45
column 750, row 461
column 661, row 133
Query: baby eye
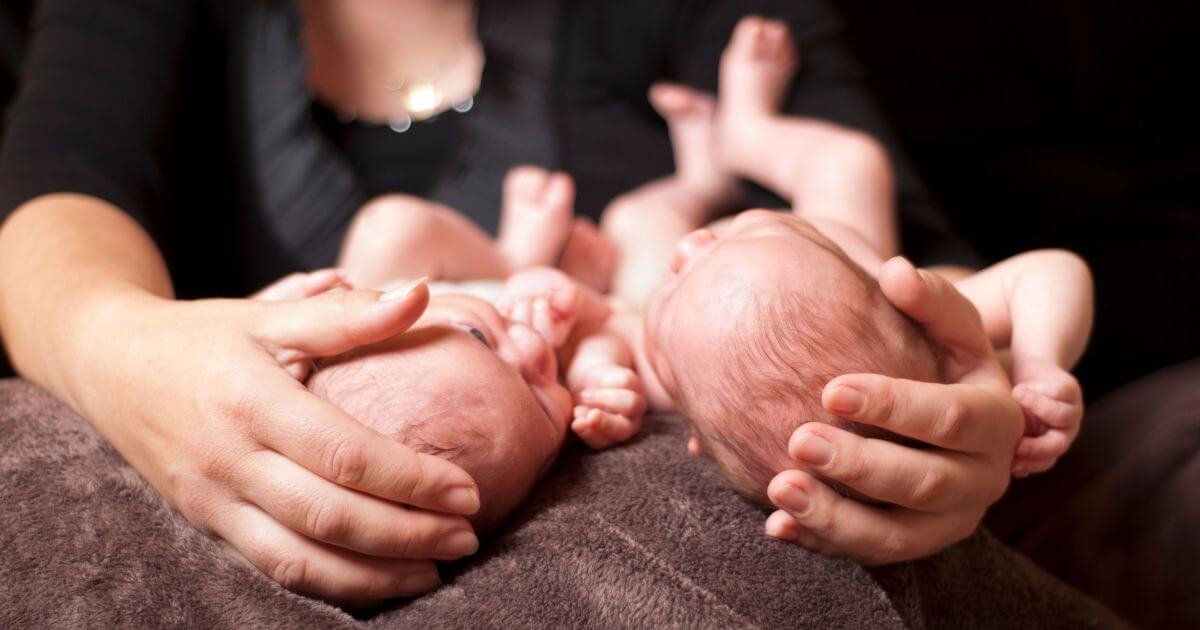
column 478, row 334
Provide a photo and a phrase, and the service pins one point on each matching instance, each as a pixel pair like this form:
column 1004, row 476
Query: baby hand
column 298, row 286
column 545, row 299
column 1053, row 404
column 610, row 406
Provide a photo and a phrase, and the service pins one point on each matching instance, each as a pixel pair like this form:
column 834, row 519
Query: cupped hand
column 926, row 498
column 205, row 400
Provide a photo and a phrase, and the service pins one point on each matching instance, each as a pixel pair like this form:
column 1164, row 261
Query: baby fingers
column 612, row 376
column 1038, row 454
column 600, row 429
column 615, row 400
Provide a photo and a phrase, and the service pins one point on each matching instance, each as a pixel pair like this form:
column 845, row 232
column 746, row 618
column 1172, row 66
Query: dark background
column 1061, row 123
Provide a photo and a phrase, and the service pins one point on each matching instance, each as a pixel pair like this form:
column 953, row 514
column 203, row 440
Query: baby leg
column 589, row 256
column 399, row 236
column 827, row 171
column 645, row 223
column 536, row 217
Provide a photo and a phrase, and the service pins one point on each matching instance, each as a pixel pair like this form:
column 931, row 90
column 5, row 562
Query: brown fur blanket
column 638, row 536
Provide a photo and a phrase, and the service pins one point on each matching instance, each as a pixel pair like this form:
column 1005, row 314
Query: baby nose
column 688, row 247
column 534, row 357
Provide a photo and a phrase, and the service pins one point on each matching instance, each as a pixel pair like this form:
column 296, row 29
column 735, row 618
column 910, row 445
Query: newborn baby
column 758, row 314
column 467, row 382
column 755, row 318
column 464, row 384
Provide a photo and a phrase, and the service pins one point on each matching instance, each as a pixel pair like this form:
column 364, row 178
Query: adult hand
column 928, row 497
column 204, row 400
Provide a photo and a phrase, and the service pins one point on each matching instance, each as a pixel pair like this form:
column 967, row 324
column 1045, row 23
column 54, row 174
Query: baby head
column 464, row 384
column 752, row 323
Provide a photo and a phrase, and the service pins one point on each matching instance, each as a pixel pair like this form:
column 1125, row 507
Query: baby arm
column 1039, row 305
column 608, row 393
column 598, row 361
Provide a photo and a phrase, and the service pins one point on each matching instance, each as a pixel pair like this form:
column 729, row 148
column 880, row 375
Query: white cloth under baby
column 488, row 290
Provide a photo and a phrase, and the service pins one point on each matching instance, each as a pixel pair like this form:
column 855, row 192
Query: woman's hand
column 203, row 399
column 930, row 497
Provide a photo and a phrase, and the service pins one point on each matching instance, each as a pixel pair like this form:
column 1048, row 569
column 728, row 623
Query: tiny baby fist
column 601, row 429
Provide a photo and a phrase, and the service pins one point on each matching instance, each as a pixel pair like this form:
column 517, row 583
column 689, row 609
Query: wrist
column 87, row 333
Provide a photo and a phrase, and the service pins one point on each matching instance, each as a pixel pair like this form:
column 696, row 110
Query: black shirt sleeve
column 95, row 108
column 830, row 85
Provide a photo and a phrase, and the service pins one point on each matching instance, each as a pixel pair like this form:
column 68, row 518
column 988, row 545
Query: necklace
column 423, row 98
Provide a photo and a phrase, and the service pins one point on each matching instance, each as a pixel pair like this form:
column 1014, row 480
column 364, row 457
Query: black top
column 193, row 116
column 407, row 159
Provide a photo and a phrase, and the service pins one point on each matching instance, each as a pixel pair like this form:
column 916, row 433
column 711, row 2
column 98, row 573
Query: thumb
column 338, row 322
column 947, row 316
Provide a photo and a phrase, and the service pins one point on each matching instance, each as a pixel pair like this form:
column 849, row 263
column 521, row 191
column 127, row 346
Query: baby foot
column 544, row 299
column 610, row 406
column 536, row 216
column 757, row 68
column 589, row 256
column 1053, row 404
column 690, row 117
column 298, row 286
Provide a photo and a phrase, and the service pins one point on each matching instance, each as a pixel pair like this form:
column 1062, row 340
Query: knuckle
column 952, row 423
column 289, row 569
column 413, row 480
column 852, row 469
column 214, row 463
column 893, row 547
column 326, row 521
column 344, row 462
column 196, row 502
column 234, row 399
column 930, row 488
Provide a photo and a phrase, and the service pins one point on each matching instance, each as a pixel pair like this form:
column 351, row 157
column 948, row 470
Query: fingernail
column 846, row 399
column 814, row 449
column 461, row 500
column 400, row 294
column 457, row 544
column 793, row 499
column 421, row 582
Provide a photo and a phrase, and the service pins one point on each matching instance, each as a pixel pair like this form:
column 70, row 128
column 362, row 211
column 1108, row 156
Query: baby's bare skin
column 1038, row 304
column 402, row 236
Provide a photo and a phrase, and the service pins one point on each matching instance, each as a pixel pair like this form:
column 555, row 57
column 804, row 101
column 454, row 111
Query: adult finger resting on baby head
column 302, row 564
column 836, row 525
column 327, row 441
column 324, row 511
column 883, row 470
column 954, row 416
column 948, row 317
column 333, row 323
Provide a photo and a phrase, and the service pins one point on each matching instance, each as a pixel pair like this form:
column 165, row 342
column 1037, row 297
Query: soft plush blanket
column 638, row 536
